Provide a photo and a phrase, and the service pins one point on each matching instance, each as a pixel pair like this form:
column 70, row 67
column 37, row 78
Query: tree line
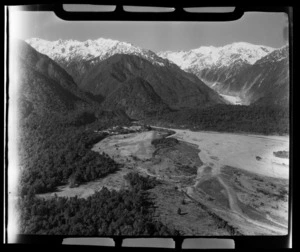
column 127, row 212
column 55, row 150
column 229, row 118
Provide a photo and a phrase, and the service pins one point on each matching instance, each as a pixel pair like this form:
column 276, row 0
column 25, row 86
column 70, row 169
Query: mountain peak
column 77, row 57
column 277, row 55
column 242, row 44
column 208, row 56
column 247, row 46
column 101, row 48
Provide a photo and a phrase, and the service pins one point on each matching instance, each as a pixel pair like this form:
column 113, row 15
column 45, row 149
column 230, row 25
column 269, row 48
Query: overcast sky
column 268, row 29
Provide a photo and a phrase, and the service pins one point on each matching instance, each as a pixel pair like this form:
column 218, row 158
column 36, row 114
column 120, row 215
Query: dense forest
column 56, row 149
column 127, row 212
column 228, row 118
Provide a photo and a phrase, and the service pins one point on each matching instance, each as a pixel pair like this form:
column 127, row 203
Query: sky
column 269, row 29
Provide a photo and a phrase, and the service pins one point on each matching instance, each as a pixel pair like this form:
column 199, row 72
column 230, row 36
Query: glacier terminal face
column 242, row 70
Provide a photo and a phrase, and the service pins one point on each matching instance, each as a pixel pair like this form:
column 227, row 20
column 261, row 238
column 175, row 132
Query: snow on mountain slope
column 267, row 77
column 276, row 55
column 241, row 70
column 225, row 69
column 100, row 49
column 77, row 57
column 208, row 56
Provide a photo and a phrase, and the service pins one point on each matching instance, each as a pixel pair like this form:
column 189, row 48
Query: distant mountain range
column 107, row 68
column 244, row 70
column 208, row 56
column 119, row 75
column 78, row 57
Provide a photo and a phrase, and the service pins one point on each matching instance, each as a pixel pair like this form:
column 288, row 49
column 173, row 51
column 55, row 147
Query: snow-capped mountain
column 237, row 70
column 208, row 56
column 267, row 77
column 275, row 56
column 78, row 57
column 67, row 50
column 267, row 81
column 112, row 69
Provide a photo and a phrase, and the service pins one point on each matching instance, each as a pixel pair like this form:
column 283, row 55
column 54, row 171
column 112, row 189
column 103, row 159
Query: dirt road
column 231, row 197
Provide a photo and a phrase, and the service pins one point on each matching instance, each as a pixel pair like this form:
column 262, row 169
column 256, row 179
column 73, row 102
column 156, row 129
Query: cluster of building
column 116, row 130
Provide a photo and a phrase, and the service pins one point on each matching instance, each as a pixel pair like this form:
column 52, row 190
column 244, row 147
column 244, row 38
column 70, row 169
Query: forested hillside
column 54, row 153
column 104, row 213
column 54, row 142
column 229, row 118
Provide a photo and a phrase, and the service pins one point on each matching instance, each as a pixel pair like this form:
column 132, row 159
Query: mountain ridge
column 220, row 68
column 248, row 79
column 174, row 87
column 78, row 57
column 207, row 56
column 43, row 85
column 114, row 63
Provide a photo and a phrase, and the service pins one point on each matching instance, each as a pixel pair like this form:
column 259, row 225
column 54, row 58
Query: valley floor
column 212, row 183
